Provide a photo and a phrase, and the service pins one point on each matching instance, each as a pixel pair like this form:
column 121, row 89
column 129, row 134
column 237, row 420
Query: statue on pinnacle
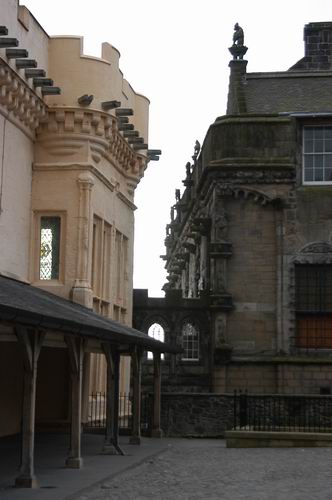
column 238, row 49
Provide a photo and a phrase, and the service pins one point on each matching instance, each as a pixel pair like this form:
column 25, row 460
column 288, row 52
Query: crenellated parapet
column 65, row 132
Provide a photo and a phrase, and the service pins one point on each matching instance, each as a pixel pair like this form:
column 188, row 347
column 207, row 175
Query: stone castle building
column 249, row 244
column 73, row 147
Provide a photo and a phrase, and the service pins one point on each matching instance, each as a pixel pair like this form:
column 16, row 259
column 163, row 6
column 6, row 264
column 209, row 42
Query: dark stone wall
column 318, row 48
column 196, row 415
column 252, row 138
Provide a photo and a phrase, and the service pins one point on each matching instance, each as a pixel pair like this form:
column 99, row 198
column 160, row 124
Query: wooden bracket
column 31, row 341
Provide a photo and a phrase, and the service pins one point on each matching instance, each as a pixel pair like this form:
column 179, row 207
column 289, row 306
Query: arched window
column 157, row 332
column 190, row 342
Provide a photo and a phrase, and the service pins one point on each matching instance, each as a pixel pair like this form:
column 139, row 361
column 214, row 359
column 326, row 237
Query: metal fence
column 296, row 413
column 97, row 411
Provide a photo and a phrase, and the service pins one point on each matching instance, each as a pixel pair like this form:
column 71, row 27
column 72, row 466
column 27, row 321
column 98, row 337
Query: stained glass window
column 49, row 248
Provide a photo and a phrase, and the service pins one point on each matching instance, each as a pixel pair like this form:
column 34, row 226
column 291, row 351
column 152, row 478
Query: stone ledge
column 261, row 439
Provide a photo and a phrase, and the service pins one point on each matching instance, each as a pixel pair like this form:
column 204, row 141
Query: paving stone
column 207, row 470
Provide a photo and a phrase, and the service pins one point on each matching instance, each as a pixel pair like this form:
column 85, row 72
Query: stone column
column 156, row 430
column 82, row 292
column 236, row 92
column 31, row 341
column 136, row 409
column 111, row 443
column 76, row 354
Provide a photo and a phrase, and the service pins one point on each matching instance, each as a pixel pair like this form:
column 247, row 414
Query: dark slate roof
column 28, row 305
column 288, row 92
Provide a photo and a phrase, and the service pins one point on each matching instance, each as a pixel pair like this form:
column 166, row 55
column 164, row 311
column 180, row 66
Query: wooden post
column 136, row 358
column 111, row 443
column 86, row 386
column 31, row 341
column 156, row 429
column 76, row 354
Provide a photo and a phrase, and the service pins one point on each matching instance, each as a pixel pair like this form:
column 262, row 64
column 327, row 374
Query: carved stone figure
column 238, row 49
column 238, row 37
column 177, row 195
column 197, row 148
column 188, row 168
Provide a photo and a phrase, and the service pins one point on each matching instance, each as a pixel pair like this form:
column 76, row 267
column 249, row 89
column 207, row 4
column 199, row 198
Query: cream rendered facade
column 69, row 161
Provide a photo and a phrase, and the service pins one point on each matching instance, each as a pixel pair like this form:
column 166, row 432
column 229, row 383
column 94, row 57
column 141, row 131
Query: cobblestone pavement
column 206, row 469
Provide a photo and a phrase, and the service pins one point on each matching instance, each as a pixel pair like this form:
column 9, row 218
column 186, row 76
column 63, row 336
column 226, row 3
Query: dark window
column 317, row 154
column 314, row 306
column 49, row 248
column 325, row 391
column 190, row 342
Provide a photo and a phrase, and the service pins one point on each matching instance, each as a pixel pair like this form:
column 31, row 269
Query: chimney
column 318, row 48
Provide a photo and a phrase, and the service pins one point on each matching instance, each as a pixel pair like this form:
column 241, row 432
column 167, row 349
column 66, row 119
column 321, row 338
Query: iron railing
column 290, row 413
column 97, row 411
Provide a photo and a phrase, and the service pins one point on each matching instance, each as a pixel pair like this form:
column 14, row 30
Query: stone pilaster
column 82, row 292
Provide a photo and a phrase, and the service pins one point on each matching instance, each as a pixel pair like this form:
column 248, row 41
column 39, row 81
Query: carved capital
column 85, row 181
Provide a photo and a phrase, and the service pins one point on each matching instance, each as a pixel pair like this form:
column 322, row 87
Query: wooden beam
column 76, row 347
column 136, row 359
column 156, row 429
column 111, row 444
column 31, row 342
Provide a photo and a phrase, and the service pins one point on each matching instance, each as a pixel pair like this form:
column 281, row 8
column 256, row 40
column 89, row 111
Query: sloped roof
column 28, row 305
column 288, row 92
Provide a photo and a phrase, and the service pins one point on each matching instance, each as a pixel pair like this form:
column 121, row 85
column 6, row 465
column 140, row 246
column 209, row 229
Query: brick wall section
column 256, row 378
column 307, row 379
column 196, row 415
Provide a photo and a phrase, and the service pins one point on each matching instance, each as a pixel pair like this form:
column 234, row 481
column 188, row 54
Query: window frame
column 38, row 215
column 198, row 335
column 313, row 305
column 307, row 154
column 149, row 354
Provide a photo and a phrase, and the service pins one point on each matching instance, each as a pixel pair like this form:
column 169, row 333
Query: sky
column 175, row 52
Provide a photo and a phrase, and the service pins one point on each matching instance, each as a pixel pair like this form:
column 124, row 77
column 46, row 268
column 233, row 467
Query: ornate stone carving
column 247, row 193
column 317, row 247
column 197, row 149
column 73, row 127
column 20, row 101
column 238, row 48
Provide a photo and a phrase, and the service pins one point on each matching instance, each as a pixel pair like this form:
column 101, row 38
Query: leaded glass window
column 190, row 342
column 317, row 154
column 49, row 248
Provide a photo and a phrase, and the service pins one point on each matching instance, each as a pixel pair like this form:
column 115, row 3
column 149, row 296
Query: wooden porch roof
column 28, row 305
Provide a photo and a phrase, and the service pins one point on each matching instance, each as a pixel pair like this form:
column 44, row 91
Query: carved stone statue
column 238, row 37
column 188, row 168
column 197, row 148
column 238, row 48
column 177, row 195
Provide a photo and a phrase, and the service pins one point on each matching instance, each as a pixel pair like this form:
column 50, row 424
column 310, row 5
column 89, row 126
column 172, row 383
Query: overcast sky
column 176, row 53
